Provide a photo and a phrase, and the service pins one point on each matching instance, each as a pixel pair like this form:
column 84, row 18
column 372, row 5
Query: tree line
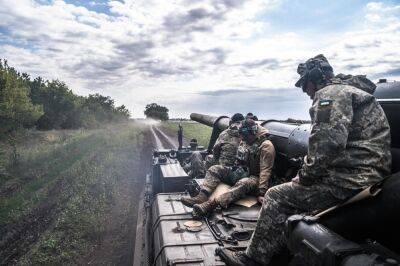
column 44, row 104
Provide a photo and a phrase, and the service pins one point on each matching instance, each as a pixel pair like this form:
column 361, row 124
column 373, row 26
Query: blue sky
column 210, row 56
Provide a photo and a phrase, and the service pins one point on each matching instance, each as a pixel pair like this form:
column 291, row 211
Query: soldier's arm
column 217, row 150
column 333, row 113
column 218, row 144
column 267, row 157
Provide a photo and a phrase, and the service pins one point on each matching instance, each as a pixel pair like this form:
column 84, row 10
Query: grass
column 192, row 130
column 80, row 175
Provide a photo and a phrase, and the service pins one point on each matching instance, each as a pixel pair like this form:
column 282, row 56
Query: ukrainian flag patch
column 325, row 103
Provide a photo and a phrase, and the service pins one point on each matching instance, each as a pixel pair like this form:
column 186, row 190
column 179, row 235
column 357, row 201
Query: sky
column 216, row 57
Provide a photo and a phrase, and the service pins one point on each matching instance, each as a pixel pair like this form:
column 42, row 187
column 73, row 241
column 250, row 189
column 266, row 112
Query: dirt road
column 102, row 230
column 163, row 140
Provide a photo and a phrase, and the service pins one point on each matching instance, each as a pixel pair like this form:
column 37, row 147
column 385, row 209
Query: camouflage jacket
column 259, row 158
column 349, row 144
column 226, row 146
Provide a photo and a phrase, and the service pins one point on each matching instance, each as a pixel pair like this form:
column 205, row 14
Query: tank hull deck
column 176, row 243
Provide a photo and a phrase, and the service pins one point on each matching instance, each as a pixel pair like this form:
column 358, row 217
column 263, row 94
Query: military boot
column 200, row 198
column 201, row 210
column 235, row 258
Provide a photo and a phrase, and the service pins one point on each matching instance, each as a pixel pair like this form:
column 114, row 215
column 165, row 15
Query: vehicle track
column 162, row 140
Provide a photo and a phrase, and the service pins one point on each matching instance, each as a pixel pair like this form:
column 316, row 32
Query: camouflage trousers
column 195, row 167
column 280, row 202
column 240, row 187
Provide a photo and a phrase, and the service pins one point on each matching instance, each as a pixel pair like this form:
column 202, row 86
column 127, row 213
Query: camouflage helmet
column 238, row 117
column 248, row 127
column 249, row 115
column 315, row 69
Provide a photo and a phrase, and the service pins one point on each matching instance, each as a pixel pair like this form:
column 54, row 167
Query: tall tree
column 58, row 103
column 156, row 111
column 50, row 104
column 16, row 108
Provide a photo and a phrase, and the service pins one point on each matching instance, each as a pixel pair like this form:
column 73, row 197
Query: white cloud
column 167, row 51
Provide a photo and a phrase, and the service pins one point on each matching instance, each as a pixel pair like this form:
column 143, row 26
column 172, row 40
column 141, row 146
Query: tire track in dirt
column 106, row 253
column 17, row 238
column 162, row 140
column 118, row 244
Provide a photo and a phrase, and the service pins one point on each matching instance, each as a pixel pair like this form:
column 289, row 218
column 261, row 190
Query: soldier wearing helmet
column 251, row 116
column 348, row 151
column 250, row 175
column 224, row 150
column 226, row 145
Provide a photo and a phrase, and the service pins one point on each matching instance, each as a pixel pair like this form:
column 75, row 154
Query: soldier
column 226, row 145
column 349, row 150
column 224, row 150
column 251, row 116
column 255, row 159
column 194, row 165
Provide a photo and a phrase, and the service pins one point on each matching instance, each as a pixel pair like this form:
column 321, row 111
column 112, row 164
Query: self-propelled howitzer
column 362, row 233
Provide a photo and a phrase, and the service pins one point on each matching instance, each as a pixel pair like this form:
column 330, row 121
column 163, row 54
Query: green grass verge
column 90, row 168
column 192, row 130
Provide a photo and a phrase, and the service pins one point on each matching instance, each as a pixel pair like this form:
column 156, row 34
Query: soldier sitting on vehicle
column 194, row 165
column 349, row 150
column 226, row 145
column 224, row 150
column 255, row 159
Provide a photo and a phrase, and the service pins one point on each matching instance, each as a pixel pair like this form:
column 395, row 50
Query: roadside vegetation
column 191, row 130
column 43, row 104
column 68, row 196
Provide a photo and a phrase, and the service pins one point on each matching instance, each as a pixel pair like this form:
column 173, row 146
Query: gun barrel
column 221, row 122
column 290, row 139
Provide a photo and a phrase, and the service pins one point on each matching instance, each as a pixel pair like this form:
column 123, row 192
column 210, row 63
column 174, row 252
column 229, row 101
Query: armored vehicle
column 362, row 231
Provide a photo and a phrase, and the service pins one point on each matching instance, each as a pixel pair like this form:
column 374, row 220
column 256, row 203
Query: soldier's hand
column 260, row 199
column 296, row 179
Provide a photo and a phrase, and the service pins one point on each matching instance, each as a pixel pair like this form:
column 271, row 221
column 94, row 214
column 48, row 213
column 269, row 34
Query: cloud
column 175, row 52
column 197, row 19
column 265, row 103
column 392, row 72
column 270, row 63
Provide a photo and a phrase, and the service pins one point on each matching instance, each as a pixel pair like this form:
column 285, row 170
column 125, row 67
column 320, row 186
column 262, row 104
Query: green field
column 68, row 195
column 192, row 130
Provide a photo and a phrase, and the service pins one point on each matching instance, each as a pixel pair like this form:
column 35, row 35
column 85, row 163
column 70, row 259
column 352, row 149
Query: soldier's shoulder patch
column 324, row 111
column 325, row 103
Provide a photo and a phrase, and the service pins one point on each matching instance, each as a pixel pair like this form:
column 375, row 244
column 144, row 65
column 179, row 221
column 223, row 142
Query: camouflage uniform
column 224, row 153
column 225, row 147
column 349, row 150
column 253, row 180
column 195, row 166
